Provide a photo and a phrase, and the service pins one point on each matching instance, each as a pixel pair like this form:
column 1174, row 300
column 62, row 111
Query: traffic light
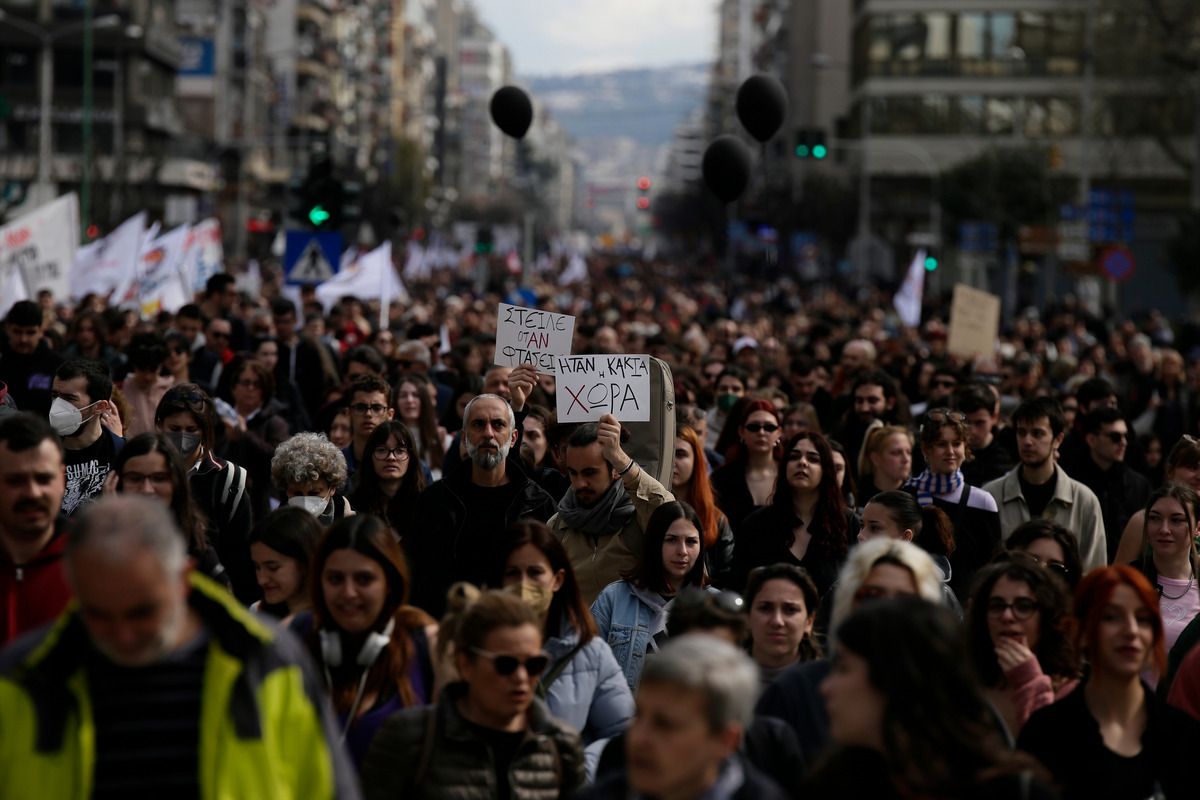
column 643, row 201
column 810, row 143
column 931, row 261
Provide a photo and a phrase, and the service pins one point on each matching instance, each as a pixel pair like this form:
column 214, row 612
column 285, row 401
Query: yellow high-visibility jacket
column 265, row 729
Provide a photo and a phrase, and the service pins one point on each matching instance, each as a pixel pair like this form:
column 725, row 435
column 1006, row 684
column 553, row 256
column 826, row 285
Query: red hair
column 1096, row 590
column 737, row 453
column 699, row 493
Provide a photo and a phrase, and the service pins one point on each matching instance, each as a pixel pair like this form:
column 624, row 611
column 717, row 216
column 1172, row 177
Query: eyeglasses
column 178, row 351
column 727, row 601
column 755, row 427
column 944, row 384
column 382, row 453
column 940, row 414
column 1116, row 437
column 138, row 479
column 248, row 384
column 1022, row 608
column 218, row 335
column 404, row 363
column 361, row 409
column 507, row 665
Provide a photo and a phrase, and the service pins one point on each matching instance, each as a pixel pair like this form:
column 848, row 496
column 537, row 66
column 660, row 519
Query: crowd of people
column 264, row 548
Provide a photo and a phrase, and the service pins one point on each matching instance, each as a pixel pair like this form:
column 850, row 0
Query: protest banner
column 203, row 254
column 591, row 386
column 974, row 323
column 530, row 336
column 164, row 286
column 42, row 244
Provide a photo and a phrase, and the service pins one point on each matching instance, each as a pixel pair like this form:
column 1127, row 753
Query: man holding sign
column 602, row 518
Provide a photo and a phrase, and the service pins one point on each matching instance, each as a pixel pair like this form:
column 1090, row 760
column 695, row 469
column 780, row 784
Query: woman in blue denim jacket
column 582, row 685
column 631, row 614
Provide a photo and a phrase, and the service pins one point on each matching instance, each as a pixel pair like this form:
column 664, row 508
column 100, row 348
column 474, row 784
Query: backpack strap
column 960, row 513
column 550, row 677
column 235, row 480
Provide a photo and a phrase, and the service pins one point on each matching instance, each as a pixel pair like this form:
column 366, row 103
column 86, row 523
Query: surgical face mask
column 313, row 505
column 66, row 419
column 726, row 402
column 185, row 443
column 536, row 595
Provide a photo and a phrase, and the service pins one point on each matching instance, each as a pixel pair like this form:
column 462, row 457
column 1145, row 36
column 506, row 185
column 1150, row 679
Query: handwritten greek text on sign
column 529, row 336
column 591, row 386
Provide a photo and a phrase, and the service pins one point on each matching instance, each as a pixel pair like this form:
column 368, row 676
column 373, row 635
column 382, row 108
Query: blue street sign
column 311, row 257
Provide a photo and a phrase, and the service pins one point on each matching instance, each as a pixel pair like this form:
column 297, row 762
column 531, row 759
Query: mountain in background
column 644, row 105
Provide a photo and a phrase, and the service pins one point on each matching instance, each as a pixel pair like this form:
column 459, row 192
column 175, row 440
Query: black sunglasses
column 1116, row 437
column 944, row 384
column 755, row 427
column 507, row 665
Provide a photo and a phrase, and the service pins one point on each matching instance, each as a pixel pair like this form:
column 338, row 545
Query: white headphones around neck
column 376, row 643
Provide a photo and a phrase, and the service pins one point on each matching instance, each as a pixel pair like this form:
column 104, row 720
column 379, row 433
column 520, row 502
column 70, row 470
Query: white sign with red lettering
column 530, row 336
column 591, row 386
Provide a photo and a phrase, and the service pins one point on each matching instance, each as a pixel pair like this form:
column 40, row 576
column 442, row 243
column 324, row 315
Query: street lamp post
column 46, row 86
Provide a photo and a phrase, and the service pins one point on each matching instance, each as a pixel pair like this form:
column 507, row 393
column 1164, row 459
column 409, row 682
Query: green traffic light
column 931, row 263
column 802, row 150
column 820, row 151
column 318, row 215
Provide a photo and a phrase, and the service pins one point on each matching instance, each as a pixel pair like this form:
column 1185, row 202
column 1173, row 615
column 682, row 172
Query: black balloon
column 512, row 111
column 762, row 106
column 726, row 167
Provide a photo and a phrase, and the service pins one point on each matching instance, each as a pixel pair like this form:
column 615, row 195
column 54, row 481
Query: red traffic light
column 92, row 231
column 643, row 183
column 643, row 203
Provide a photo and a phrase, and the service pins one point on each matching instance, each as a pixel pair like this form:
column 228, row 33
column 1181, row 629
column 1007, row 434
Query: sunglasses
column 1116, row 437
column 1022, row 608
column 756, row 427
column 507, row 665
column 940, row 414
column 944, row 384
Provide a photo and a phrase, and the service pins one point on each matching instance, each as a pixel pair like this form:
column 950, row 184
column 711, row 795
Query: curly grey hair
column 308, row 457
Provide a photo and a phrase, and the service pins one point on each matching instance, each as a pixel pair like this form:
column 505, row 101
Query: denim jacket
column 629, row 618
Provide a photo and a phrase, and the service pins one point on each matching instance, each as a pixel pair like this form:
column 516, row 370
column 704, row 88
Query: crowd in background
column 936, row 575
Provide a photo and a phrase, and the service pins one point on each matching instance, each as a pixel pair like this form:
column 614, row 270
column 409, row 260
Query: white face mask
column 313, row 505
column 66, row 419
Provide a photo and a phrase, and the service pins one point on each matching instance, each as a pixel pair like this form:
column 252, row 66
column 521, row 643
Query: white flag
column 163, row 287
column 203, row 255
column 908, row 299
column 575, row 272
column 372, row 278
column 115, row 264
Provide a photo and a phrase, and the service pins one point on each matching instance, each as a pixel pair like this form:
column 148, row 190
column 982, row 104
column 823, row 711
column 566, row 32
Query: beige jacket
column 599, row 562
column 1074, row 506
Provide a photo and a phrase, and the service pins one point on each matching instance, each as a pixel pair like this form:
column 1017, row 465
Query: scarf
column 608, row 515
column 929, row 484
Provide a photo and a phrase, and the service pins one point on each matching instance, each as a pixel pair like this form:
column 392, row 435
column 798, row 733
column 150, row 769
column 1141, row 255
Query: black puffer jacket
column 457, row 764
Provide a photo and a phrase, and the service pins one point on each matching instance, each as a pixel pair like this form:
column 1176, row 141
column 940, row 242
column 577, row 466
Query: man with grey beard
column 459, row 518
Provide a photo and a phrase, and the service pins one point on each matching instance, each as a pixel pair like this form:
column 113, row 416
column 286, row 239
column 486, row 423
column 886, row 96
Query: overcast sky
column 564, row 37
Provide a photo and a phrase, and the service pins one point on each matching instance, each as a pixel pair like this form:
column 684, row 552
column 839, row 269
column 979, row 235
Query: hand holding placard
column 520, row 383
column 530, row 336
column 609, row 437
